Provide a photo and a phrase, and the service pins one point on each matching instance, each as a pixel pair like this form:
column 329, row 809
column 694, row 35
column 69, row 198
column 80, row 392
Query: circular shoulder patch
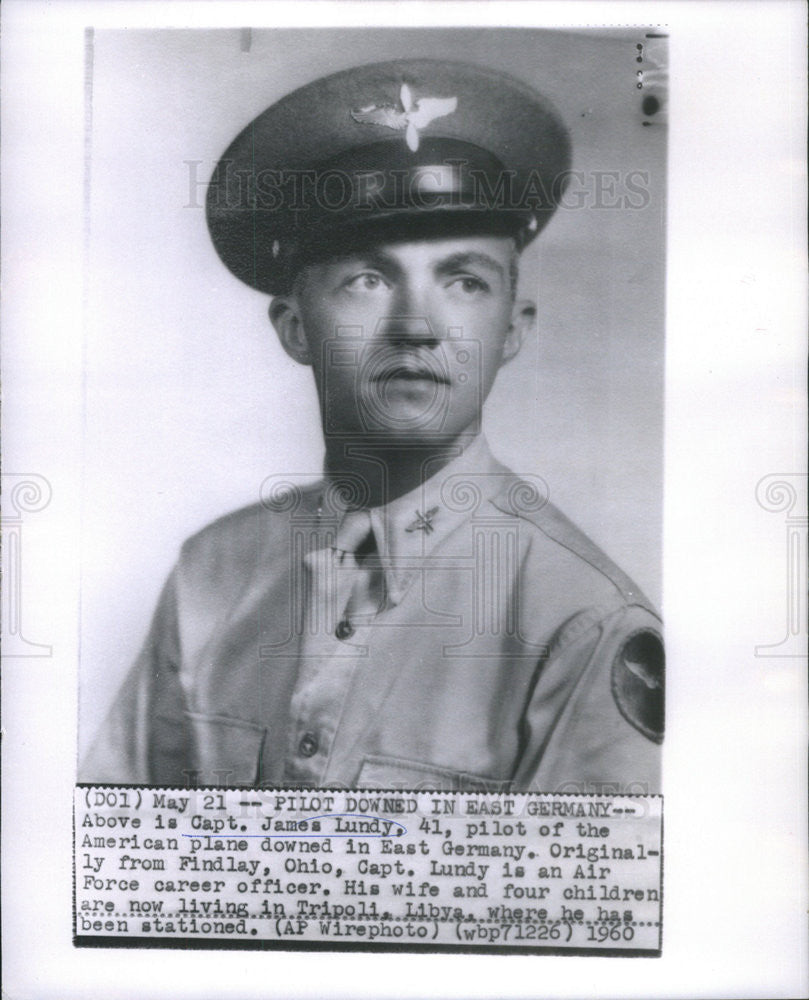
column 638, row 674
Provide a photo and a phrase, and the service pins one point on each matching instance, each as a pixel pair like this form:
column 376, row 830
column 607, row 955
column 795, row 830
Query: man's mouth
column 410, row 371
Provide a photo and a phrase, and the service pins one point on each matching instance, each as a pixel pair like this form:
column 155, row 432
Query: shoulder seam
column 572, row 538
column 258, row 509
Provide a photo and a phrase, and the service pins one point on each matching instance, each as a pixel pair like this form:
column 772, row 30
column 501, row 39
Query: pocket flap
column 398, row 773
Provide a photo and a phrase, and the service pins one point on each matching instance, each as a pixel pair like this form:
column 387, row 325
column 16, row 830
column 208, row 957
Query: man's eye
column 470, row 285
column 368, row 281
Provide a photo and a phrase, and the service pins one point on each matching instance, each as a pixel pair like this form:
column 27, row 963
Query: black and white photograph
column 403, row 502
column 394, row 302
column 368, row 345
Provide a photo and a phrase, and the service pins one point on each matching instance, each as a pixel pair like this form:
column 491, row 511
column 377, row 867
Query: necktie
column 357, row 557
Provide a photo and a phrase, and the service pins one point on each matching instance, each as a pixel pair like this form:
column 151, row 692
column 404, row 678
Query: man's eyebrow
column 371, row 257
column 470, row 258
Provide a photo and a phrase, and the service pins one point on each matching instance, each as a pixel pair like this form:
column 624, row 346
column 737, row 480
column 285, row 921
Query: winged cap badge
column 414, row 116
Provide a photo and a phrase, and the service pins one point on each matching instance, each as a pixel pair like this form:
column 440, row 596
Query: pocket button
column 344, row 629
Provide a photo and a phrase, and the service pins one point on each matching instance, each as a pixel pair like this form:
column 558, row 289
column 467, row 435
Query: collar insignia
column 413, row 116
column 423, row 522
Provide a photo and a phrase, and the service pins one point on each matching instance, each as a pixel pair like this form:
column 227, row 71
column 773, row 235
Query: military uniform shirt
column 484, row 644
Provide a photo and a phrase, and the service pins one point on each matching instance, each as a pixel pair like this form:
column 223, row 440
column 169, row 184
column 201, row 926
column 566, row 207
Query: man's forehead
column 484, row 250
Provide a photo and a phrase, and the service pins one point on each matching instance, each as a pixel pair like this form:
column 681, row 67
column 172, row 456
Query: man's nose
column 415, row 330
column 409, row 321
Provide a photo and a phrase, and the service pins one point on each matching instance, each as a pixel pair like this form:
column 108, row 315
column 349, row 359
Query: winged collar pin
column 414, row 115
column 423, row 522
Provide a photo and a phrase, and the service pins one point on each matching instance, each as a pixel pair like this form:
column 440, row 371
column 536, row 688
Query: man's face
column 405, row 338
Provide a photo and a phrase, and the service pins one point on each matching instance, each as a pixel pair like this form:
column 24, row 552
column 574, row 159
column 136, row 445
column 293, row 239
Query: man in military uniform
column 422, row 617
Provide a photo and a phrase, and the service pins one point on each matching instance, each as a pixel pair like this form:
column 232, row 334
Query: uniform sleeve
column 594, row 722
column 145, row 738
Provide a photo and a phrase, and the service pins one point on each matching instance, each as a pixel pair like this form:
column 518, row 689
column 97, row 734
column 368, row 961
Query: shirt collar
column 409, row 528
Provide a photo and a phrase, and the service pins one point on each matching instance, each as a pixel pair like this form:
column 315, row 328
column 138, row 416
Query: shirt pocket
column 397, row 773
column 227, row 751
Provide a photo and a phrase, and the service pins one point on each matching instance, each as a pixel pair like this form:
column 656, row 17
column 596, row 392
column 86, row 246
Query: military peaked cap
column 420, row 141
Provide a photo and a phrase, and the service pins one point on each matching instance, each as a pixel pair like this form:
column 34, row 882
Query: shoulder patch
column 638, row 676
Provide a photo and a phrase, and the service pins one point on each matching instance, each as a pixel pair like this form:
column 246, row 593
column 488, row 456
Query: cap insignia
column 414, row 115
column 423, row 522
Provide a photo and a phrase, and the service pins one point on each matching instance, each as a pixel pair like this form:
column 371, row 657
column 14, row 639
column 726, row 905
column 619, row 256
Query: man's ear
column 523, row 316
column 285, row 317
